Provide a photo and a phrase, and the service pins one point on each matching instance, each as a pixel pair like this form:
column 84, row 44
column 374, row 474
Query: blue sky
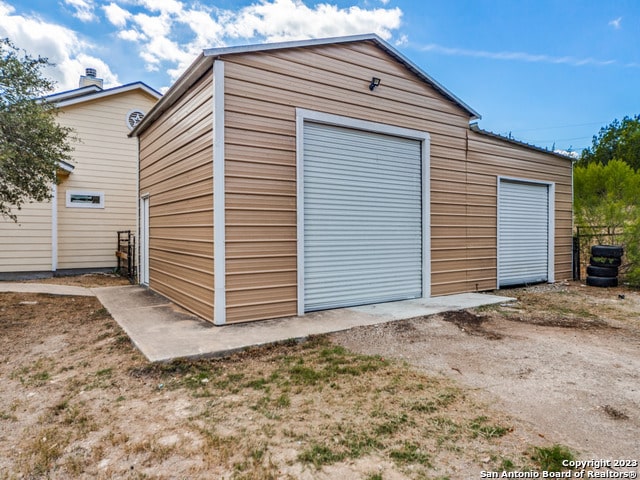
column 549, row 72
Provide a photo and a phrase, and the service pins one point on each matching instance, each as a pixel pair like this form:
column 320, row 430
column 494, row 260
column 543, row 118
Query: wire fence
column 586, row 236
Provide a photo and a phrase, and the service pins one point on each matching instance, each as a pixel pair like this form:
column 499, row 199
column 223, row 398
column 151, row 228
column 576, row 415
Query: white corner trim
column 303, row 115
column 54, row 228
column 551, row 265
column 426, row 216
column 143, row 240
column 551, row 229
column 300, row 206
column 219, row 233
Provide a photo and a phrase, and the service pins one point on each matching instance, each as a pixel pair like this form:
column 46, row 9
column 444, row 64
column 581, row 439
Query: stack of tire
column 604, row 263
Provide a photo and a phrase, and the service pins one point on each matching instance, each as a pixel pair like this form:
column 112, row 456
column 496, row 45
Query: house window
column 81, row 199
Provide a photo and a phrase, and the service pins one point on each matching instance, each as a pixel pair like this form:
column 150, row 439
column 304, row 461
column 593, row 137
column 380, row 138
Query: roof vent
column 89, row 78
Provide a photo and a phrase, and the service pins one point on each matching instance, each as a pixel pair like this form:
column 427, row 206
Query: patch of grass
column 122, row 340
column 374, row 476
column 154, row 452
column 410, row 453
column 493, row 307
column 360, row 444
column 319, row 455
column 7, row 416
column 332, row 363
column 100, row 313
column 479, row 426
column 507, row 465
column 392, row 425
column 283, row 401
column 36, row 374
column 301, row 375
column 550, row 458
column 45, row 447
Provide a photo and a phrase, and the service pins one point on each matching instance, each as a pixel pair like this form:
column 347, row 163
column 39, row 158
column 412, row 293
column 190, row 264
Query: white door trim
column 303, row 115
column 551, row 224
column 143, row 266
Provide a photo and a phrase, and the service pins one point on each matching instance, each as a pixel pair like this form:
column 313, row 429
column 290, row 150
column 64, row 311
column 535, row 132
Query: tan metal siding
column 176, row 171
column 262, row 92
column 490, row 157
column 105, row 161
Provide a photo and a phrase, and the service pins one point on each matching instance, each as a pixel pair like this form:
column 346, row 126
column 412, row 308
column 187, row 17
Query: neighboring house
column 97, row 193
column 284, row 178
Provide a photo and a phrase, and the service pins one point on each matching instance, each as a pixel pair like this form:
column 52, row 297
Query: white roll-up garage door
column 523, row 236
column 362, row 217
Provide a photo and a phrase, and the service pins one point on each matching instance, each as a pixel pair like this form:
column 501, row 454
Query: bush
column 632, row 251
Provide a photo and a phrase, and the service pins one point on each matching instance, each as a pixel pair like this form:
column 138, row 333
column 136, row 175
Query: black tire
column 606, row 272
column 605, row 262
column 602, row 281
column 609, row 251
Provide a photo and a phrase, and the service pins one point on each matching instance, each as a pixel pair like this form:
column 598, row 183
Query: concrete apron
column 163, row 332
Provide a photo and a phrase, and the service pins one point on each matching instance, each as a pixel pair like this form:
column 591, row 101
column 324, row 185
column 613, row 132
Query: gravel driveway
column 565, row 360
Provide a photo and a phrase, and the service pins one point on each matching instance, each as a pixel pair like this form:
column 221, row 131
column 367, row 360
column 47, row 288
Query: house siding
column 176, row 172
column 262, row 92
column 105, row 160
column 26, row 246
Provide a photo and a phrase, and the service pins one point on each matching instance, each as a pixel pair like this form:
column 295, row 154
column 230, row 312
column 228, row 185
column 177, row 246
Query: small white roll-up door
column 523, row 236
column 362, row 217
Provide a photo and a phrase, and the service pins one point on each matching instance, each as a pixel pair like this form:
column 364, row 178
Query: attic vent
column 133, row 118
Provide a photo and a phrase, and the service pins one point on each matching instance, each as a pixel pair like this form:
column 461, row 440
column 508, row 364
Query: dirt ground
column 565, row 359
column 439, row 397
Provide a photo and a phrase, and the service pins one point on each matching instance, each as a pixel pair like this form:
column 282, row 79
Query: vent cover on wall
column 133, row 118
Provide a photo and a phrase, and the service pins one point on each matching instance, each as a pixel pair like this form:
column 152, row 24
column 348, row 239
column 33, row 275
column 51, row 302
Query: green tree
column 618, row 140
column 31, row 141
column 608, row 196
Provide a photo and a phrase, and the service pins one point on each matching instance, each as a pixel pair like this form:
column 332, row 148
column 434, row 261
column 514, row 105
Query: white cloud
column 160, row 29
column 518, row 56
column 167, row 35
column 162, row 6
column 153, row 26
column 402, row 41
column 282, row 20
column 132, row 35
column 568, row 153
column 117, row 15
column 60, row 45
column 83, row 9
column 616, row 23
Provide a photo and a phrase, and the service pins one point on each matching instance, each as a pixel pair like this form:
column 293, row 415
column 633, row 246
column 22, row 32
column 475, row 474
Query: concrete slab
column 164, row 332
column 51, row 289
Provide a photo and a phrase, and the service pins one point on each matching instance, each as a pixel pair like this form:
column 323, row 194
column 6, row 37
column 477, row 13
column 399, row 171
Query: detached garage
column 285, row 178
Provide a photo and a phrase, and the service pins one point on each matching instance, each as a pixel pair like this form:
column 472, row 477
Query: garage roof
column 475, row 128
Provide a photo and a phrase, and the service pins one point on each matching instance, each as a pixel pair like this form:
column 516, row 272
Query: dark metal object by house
column 126, row 255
